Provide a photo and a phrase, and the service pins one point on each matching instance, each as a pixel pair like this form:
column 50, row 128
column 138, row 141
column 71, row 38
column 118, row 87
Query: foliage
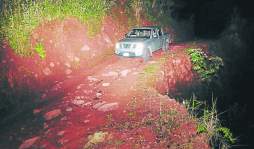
column 39, row 48
column 20, row 18
column 206, row 66
column 153, row 10
column 209, row 123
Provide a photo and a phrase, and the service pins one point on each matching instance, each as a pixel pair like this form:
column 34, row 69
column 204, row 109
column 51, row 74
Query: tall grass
column 20, row 18
column 209, row 123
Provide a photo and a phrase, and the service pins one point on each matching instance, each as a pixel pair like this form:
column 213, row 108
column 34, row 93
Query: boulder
column 52, row 114
column 108, row 107
column 29, row 143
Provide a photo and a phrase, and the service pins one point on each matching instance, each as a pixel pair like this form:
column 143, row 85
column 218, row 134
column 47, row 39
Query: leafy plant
column 19, row 18
column 209, row 123
column 39, row 48
column 206, row 66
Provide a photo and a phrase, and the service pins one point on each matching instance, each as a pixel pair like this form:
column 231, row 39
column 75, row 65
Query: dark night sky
column 212, row 16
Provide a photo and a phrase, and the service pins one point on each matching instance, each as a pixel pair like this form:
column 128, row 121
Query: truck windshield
column 139, row 33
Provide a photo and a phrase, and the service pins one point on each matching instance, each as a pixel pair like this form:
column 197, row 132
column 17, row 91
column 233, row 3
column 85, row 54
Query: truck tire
column 147, row 55
column 165, row 46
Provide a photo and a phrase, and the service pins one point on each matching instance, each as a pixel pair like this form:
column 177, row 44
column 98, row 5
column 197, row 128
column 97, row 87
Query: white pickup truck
column 142, row 42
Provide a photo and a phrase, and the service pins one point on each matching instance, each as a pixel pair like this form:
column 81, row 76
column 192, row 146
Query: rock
column 110, row 74
column 45, row 125
column 78, row 102
column 67, row 65
column 92, row 79
column 80, row 86
column 86, row 121
column 46, row 71
column 88, row 104
column 36, row 111
column 177, row 61
column 63, row 141
column 29, row 143
column 61, row 133
column 69, row 77
column 69, row 109
column 125, row 72
column 135, row 73
column 85, row 48
column 108, row 107
column 96, row 106
column 98, row 95
column 105, row 84
column 52, row 114
column 52, row 64
column 64, row 118
column 76, row 59
column 68, row 71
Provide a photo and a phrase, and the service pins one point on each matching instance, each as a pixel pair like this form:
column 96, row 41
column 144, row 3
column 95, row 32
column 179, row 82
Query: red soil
column 97, row 91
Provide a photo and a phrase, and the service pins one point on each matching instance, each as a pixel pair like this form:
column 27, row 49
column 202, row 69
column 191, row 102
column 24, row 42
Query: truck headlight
column 117, row 45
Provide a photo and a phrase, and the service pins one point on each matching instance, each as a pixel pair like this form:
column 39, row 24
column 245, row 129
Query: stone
column 86, row 121
column 60, row 133
column 69, row 109
column 52, row 64
column 46, row 71
column 67, row 65
column 125, row 72
column 36, row 111
column 68, row 71
column 108, row 107
column 105, row 84
column 110, row 74
column 64, row 118
column 92, row 79
column 29, row 143
column 52, row 114
column 98, row 95
column 78, row 102
column 45, row 125
column 76, row 59
column 85, row 48
column 97, row 105
column 88, row 104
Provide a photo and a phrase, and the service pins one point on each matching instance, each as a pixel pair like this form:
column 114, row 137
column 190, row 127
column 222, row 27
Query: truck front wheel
column 165, row 46
column 146, row 55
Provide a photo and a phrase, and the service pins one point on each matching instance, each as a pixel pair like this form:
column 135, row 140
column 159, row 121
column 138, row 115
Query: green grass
column 39, row 49
column 18, row 20
column 208, row 123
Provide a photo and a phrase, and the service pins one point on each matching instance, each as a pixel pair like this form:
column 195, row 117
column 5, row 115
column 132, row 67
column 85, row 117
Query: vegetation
column 39, row 48
column 152, row 10
column 206, row 66
column 19, row 18
column 209, row 123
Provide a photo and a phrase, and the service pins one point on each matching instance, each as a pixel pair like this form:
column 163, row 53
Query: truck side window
column 155, row 35
column 160, row 33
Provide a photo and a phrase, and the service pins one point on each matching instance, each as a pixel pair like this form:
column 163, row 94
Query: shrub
column 208, row 122
column 206, row 66
column 39, row 48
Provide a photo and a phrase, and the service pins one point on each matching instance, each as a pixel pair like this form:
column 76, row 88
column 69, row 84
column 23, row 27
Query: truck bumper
column 127, row 54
